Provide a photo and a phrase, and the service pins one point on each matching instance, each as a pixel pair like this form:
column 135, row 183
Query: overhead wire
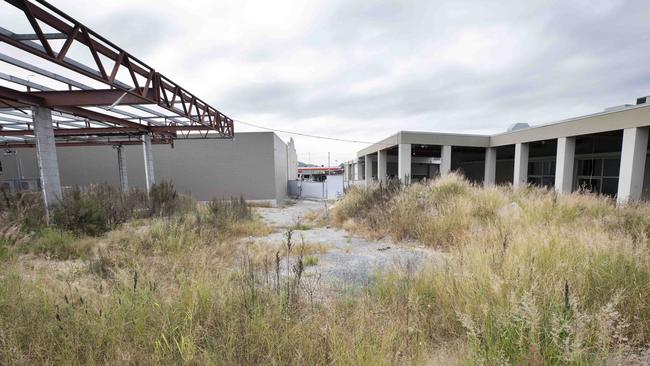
column 303, row 134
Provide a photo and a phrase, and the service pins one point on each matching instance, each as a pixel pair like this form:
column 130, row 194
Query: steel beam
column 90, row 98
column 166, row 92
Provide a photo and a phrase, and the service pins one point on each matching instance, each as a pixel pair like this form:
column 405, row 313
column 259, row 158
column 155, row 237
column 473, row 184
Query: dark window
column 534, row 181
column 589, row 167
column 589, row 185
column 541, row 173
column 548, row 181
column 549, row 168
column 598, row 175
column 611, row 167
column 535, row 168
column 610, row 186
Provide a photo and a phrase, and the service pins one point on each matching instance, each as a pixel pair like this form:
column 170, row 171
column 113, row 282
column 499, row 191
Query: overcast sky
column 363, row 70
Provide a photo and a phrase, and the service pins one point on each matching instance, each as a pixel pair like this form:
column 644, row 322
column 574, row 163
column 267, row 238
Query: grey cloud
column 577, row 57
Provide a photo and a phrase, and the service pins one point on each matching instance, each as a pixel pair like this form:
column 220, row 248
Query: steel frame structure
column 83, row 115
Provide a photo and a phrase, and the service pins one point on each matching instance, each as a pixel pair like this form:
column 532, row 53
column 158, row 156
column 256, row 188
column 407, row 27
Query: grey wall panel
column 206, row 168
column 280, row 168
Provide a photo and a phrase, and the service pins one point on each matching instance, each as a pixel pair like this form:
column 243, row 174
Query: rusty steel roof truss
column 92, row 112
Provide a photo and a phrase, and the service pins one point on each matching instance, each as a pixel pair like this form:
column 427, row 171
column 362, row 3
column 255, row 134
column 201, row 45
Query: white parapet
column 489, row 178
column 149, row 177
column 48, row 163
column 633, row 156
column 404, row 163
column 566, row 152
column 520, row 176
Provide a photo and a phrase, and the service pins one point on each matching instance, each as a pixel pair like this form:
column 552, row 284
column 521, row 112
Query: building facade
column 604, row 152
column 255, row 165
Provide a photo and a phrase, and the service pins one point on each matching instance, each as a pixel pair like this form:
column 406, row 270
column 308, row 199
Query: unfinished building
column 605, row 153
column 98, row 114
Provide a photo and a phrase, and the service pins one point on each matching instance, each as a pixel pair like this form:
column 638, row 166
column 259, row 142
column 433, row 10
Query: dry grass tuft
column 531, row 277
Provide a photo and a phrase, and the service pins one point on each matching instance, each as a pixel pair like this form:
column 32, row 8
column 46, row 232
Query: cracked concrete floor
column 349, row 260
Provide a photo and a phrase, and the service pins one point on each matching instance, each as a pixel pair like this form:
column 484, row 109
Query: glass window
column 549, row 167
column 589, row 167
column 534, row 180
column 611, row 167
column 591, row 185
column 610, row 186
column 548, row 181
column 535, row 167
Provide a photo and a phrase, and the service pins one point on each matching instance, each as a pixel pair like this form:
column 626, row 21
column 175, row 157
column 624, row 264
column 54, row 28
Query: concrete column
column 382, row 165
column 521, row 165
column 359, row 170
column 404, row 163
column 48, row 164
column 121, row 167
column 445, row 160
column 368, row 170
column 566, row 152
column 490, row 166
column 148, row 162
column 633, row 155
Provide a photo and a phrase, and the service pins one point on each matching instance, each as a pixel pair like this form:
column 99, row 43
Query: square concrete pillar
column 566, row 152
column 359, row 170
column 382, row 165
column 633, row 155
column 520, row 176
column 445, row 160
column 148, row 162
column 121, row 167
column 368, row 169
column 404, row 163
column 48, row 163
column 489, row 178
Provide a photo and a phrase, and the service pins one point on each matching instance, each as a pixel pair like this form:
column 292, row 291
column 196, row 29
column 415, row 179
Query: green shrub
column 23, row 208
column 82, row 214
column 227, row 211
column 96, row 209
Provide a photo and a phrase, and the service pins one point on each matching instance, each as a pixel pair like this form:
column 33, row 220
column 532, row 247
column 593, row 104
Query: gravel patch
column 350, row 261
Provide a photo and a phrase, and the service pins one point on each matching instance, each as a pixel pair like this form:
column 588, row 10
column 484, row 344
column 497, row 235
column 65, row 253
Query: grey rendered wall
column 206, row 168
column 281, row 172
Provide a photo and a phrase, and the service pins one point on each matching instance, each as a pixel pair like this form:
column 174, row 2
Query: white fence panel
column 312, row 189
column 332, row 188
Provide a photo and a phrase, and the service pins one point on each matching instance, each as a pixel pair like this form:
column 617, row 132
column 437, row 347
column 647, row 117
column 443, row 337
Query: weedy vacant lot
column 529, row 278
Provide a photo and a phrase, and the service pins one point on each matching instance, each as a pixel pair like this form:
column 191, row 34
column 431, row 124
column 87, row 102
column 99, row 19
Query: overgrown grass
column 531, row 277
column 92, row 210
column 528, row 277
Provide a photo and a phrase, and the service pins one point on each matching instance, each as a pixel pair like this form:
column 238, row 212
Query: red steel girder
column 16, row 99
column 88, row 98
column 104, row 131
column 166, row 92
column 85, row 143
